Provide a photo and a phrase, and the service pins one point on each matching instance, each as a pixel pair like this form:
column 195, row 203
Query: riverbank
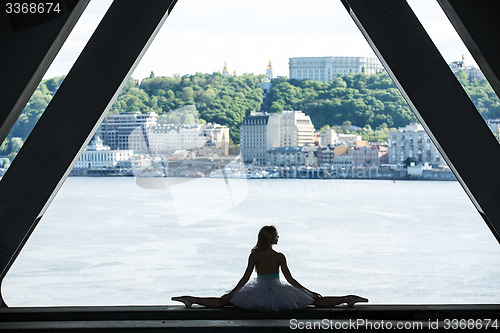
column 271, row 173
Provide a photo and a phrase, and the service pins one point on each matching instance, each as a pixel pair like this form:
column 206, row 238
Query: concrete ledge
column 198, row 319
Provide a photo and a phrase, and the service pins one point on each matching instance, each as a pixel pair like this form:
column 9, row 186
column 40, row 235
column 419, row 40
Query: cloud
column 206, row 52
column 200, row 35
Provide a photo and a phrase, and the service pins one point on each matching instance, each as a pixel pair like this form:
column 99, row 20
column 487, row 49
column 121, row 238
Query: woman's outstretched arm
column 288, row 276
column 244, row 279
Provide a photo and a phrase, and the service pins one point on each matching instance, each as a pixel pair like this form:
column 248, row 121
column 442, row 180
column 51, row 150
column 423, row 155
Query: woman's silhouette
column 267, row 292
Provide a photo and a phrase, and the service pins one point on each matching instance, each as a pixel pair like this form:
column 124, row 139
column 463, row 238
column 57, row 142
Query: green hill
column 361, row 100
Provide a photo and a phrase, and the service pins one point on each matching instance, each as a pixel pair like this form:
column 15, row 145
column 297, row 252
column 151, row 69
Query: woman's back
column 267, row 261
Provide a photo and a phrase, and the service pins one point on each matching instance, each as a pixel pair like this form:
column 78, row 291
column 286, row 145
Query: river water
column 119, row 241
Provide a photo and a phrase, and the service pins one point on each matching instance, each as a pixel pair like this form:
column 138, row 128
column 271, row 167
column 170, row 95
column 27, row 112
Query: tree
column 133, row 103
column 188, row 94
column 346, row 126
column 234, row 149
column 325, row 128
column 339, row 83
column 360, row 99
column 462, row 77
column 408, row 161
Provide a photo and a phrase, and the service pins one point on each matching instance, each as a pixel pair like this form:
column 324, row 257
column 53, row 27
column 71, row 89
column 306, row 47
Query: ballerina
column 267, row 292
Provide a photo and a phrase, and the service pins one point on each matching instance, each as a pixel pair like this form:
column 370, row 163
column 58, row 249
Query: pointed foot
column 187, row 300
column 353, row 299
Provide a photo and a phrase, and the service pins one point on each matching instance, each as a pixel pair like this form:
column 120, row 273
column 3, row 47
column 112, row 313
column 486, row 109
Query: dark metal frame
column 47, row 156
column 436, row 97
column 477, row 25
column 29, row 43
column 121, row 39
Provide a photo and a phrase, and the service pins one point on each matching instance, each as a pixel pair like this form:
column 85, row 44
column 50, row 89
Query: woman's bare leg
column 328, row 301
column 209, row 302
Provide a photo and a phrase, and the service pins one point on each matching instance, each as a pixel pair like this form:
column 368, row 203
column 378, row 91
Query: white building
column 331, row 138
column 293, row 156
column 97, row 156
column 350, row 139
column 327, row 68
column 142, row 134
column 260, row 132
column 269, row 72
column 225, row 71
column 255, row 138
column 116, row 129
column 266, row 84
column 473, row 72
column 295, row 129
column 168, row 138
column 371, row 156
column 217, row 138
column 413, row 142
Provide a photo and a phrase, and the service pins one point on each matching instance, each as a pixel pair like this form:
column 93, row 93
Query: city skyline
column 200, row 36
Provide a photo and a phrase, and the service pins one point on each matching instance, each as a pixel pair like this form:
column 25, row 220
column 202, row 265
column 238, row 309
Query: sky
column 201, row 36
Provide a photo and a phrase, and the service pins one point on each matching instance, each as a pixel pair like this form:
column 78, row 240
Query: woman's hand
column 224, row 299
column 315, row 294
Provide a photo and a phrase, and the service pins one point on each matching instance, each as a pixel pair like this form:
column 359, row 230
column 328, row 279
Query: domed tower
column 225, row 72
column 269, row 71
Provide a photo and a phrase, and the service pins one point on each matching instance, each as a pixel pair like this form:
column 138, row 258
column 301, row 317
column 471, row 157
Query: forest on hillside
column 369, row 105
column 364, row 100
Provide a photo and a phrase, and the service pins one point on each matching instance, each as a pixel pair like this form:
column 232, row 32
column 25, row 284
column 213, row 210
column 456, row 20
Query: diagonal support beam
column 436, row 97
column 476, row 22
column 73, row 115
column 31, row 41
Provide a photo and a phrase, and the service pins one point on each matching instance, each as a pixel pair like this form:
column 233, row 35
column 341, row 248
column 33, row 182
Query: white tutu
column 268, row 293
